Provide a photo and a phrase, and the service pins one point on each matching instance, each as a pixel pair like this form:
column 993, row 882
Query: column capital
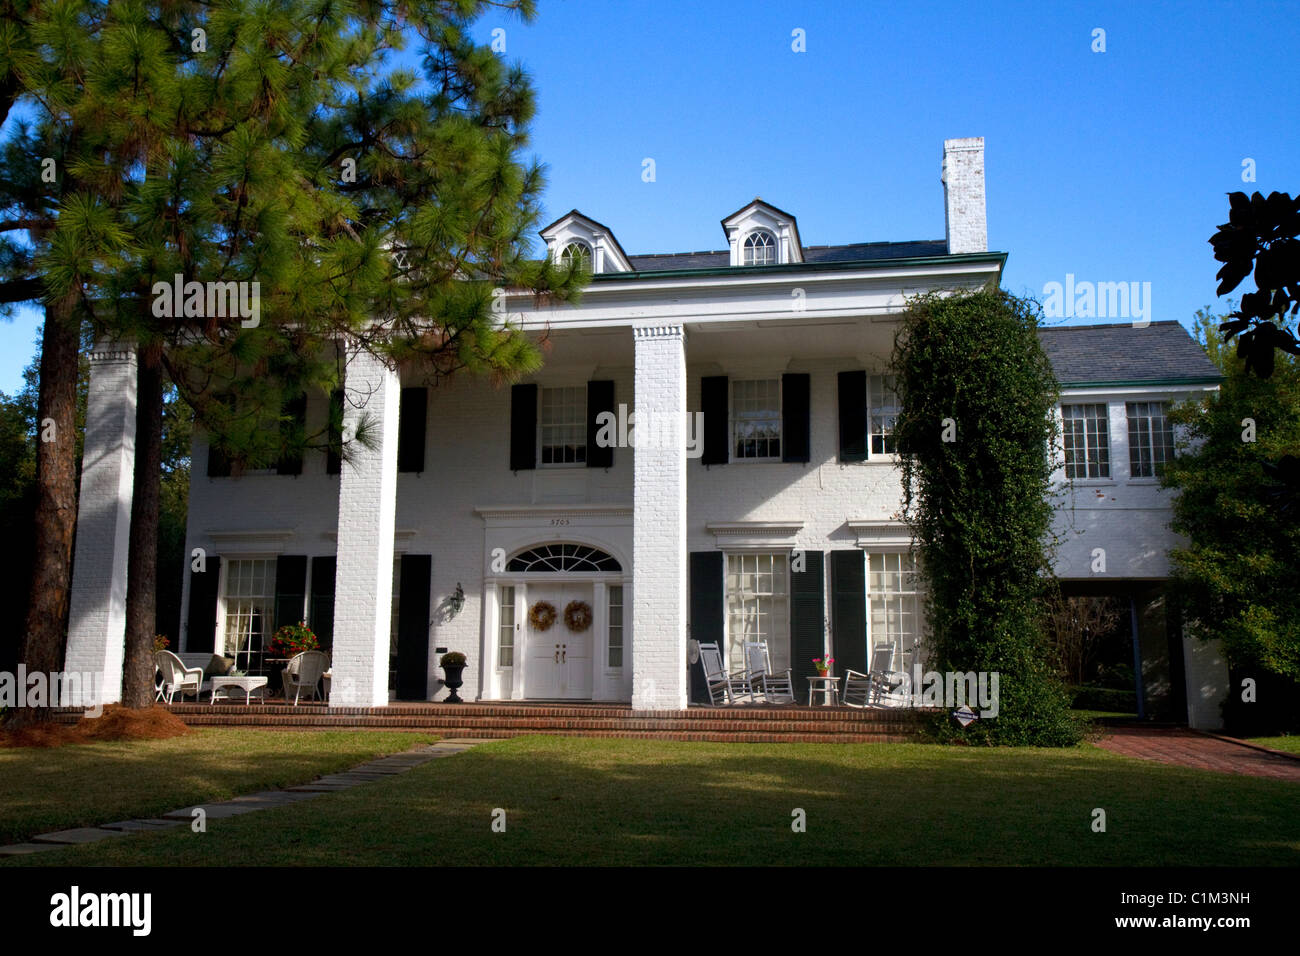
column 664, row 331
column 111, row 351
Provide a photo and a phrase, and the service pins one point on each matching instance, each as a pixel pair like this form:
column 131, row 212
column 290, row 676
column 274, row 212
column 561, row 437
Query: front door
column 559, row 660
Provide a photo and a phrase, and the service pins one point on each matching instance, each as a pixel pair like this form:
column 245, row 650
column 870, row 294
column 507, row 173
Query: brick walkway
column 1186, row 748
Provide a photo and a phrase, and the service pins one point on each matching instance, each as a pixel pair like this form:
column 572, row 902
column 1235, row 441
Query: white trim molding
column 881, row 535
column 754, row 535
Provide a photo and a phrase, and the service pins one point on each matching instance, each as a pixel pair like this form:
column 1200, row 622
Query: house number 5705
column 559, row 521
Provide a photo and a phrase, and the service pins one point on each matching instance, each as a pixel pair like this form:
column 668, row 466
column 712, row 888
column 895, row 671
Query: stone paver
column 1186, row 748
column 78, row 835
column 378, row 769
column 24, row 849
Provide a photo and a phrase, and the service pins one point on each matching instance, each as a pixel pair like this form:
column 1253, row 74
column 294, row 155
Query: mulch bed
column 116, row 723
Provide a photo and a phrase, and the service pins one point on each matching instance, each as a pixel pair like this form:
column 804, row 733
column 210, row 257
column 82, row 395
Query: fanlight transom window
column 760, row 249
column 577, row 254
column 563, row 557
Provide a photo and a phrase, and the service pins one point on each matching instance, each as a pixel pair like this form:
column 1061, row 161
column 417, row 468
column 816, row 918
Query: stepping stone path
column 378, row 769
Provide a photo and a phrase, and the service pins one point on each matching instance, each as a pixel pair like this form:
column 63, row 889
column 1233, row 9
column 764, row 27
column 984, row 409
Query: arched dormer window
column 760, row 249
column 576, row 254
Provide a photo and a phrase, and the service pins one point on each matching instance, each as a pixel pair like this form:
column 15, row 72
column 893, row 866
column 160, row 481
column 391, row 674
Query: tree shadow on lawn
column 569, row 801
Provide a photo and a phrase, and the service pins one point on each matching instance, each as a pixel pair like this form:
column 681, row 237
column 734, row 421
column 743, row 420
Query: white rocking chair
column 724, row 688
column 775, row 688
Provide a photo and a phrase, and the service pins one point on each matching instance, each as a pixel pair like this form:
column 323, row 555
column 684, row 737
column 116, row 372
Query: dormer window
column 576, row 254
column 760, row 249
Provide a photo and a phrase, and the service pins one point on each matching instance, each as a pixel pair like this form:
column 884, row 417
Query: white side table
column 246, row 684
column 826, row 686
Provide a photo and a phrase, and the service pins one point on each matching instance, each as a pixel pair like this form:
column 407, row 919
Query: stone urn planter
column 453, row 666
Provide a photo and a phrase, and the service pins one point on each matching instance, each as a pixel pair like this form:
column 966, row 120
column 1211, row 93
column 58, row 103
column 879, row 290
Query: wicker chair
column 304, row 673
column 176, row 677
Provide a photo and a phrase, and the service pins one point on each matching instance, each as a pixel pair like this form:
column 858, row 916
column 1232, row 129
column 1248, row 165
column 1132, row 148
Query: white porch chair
column 775, row 688
column 304, row 673
column 724, row 688
column 882, row 685
column 176, row 677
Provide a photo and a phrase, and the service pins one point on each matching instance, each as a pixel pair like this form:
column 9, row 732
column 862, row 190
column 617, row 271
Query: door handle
column 564, row 654
column 557, row 653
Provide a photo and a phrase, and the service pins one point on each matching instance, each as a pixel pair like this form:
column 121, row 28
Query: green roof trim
column 1201, row 380
column 799, row 267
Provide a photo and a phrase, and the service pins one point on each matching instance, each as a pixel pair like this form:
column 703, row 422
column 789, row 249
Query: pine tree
column 222, row 155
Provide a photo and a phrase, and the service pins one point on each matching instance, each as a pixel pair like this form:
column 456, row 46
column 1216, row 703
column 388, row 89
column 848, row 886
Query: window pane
column 563, row 419
column 1086, row 434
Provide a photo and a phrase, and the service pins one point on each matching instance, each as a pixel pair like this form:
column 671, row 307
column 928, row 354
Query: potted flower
column 160, row 643
column 453, row 665
column 292, row 639
column 823, row 665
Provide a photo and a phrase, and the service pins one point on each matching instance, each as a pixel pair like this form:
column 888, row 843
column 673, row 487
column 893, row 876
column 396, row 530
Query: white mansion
column 481, row 505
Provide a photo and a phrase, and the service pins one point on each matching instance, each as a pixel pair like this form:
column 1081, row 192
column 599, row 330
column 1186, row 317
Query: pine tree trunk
column 56, row 498
column 142, row 561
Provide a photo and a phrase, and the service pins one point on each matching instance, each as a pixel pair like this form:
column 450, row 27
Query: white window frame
column 503, row 626
column 734, row 420
column 581, row 445
column 749, row 247
column 589, row 253
column 1141, row 427
column 1098, row 444
column 882, row 385
column 268, row 627
column 610, row 626
column 779, row 641
column 910, row 604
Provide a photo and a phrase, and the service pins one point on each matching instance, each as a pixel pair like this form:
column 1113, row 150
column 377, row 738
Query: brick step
column 553, row 724
column 898, row 717
column 732, row 736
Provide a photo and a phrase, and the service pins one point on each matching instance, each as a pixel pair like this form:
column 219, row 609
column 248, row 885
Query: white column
column 97, row 613
column 659, row 522
column 1206, row 675
column 363, row 586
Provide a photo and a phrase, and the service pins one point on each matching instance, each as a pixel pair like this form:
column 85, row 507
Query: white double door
column 559, row 660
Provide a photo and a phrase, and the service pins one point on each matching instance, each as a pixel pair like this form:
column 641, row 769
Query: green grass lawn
column 1289, row 743
column 89, row 784
column 621, row 802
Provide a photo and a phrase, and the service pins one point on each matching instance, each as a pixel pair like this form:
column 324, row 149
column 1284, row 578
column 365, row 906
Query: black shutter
column 523, row 427
column 334, row 451
column 853, row 416
column 413, row 628
column 706, row 612
column 807, row 621
column 795, row 437
column 411, row 419
column 202, row 632
column 600, row 398
column 849, row 610
column 291, row 435
column 713, row 403
column 218, row 464
column 320, row 616
column 290, row 589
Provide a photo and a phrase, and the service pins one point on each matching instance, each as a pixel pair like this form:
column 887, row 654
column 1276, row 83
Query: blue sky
column 1109, row 166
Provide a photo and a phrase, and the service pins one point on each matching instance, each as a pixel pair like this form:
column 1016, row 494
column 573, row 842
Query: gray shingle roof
column 853, row 252
column 1092, row 354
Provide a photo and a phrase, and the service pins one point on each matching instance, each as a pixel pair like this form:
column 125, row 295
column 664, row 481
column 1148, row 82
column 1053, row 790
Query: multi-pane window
column 564, row 425
column 1087, row 441
column 757, row 608
column 616, row 625
column 894, row 600
column 250, row 602
column 760, row 249
column 577, row 254
column 882, row 413
column 506, row 628
column 394, row 622
column 1150, row 439
column 756, row 419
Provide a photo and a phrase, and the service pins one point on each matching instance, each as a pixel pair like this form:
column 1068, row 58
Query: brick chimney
column 963, row 195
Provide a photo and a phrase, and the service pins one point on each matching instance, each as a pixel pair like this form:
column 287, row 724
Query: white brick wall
column 97, row 615
column 659, row 525
column 363, row 585
column 963, row 195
